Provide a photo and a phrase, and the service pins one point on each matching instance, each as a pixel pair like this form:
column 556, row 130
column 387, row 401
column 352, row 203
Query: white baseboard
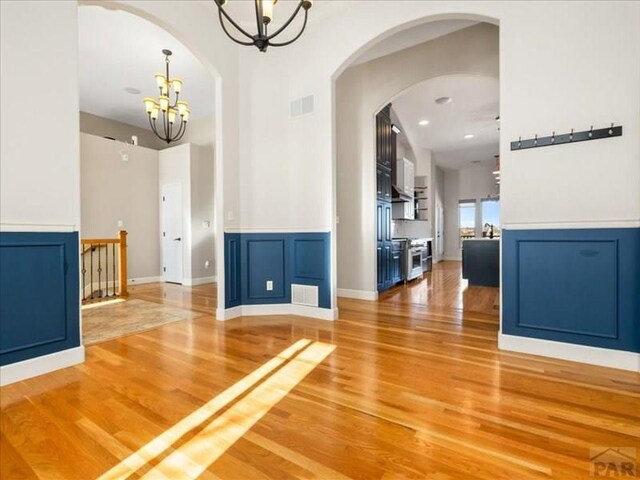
column 15, row 372
column 358, row 294
column 569, row 351
column 192, row 282
column 276, row 309
column 143, row 280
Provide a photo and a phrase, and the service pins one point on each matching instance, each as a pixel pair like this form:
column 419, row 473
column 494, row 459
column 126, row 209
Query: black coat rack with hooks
column 572, row 137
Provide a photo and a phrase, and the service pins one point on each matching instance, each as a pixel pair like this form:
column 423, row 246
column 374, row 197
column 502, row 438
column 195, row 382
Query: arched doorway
column 380, row 81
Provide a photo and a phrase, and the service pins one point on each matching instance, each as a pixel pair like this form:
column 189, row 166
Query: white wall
column 114, row 190
column 471, row 183
column 202, row 213
column 361, row 91
column 39, row 151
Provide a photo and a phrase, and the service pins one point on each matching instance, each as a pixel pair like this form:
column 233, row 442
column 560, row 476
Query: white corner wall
column 40, row 147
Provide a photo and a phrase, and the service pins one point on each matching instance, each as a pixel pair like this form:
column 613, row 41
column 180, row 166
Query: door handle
column 177, row 239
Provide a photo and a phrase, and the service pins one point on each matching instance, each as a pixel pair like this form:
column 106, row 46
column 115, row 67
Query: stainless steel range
column 418, row 257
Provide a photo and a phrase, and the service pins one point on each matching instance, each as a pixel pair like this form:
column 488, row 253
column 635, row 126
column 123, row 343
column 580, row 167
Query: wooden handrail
column 89, row 241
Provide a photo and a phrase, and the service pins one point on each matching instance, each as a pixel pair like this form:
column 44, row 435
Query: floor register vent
column 304, row 295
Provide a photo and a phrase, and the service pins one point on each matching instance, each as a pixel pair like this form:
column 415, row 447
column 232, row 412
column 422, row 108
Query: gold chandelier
column 174, row 115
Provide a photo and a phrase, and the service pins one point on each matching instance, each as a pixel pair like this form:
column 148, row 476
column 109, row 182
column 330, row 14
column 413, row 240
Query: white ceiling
column 473, row 110
column 120, row 50
column 411, row 37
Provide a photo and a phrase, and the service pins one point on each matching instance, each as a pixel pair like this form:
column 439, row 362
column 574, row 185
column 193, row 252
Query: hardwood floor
column 394, row 389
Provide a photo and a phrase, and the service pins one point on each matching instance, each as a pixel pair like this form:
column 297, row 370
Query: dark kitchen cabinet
column 388, row 263
column 397, row 258
column 384, row 138
column 383, row 181
column 385, row 254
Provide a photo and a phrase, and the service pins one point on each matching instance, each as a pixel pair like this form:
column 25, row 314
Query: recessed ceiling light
column 443, row 100
column 423, row 123
column 132, row 91
column 469, row 135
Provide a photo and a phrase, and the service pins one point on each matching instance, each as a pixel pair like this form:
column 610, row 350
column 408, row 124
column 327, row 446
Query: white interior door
column 172, row 239
column 439, row 230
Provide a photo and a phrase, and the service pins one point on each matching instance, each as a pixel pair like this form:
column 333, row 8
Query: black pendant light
column 264, row 16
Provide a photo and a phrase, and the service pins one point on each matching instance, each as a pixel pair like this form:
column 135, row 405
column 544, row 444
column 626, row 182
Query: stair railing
column 104, row 268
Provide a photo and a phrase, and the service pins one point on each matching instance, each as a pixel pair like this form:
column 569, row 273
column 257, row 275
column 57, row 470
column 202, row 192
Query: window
column 490, row 218
column 467, row 219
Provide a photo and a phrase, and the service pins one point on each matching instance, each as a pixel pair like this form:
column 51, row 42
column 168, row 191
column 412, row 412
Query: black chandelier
column 169, row 131
column 264, row 16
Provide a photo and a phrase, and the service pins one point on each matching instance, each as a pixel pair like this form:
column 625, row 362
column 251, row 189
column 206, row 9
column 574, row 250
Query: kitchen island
column 481, row 261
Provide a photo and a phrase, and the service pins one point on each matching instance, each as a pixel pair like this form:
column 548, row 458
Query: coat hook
column 553, row 137
column 571, row 136
column 535, row 140
column 591, row 132
column 519, row 142
column 611, row 130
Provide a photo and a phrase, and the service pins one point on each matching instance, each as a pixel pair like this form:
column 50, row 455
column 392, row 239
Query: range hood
column 398, row 195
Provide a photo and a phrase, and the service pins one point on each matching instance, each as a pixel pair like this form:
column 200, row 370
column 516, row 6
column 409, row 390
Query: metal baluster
column 84, row 270
column 113, row 257
column 99, row 272
column 106, row 262
column 91, row 285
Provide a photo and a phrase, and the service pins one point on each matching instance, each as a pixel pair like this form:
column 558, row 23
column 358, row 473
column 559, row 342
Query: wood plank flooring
column 412, row 386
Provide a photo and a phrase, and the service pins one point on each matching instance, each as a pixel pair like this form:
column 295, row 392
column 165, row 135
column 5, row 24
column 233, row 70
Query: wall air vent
column 304, row 295
column 301, row 106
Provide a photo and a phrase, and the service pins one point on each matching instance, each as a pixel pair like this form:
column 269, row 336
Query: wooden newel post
column 122, row 235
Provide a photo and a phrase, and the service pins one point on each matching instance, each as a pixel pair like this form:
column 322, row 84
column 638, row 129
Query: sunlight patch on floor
column 192, row 458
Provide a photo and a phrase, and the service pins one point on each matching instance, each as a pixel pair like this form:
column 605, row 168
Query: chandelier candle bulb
column 149, row 104
column 164, row 103
column 185, row 117
column 176, row 83
column 155, row 112
column 172, row 115
column 267, row 10
column 161, row 80
column 182, row 107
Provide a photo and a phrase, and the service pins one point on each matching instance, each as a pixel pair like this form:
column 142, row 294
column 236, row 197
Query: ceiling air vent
column 301, row 106
column 304, row 295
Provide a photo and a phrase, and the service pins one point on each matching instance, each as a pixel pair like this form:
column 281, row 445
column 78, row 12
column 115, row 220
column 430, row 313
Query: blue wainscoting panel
column 577, row 286
column 312, row 264
column 251, row 259
column 265, row 261
column 39, row 294
column 232, row 287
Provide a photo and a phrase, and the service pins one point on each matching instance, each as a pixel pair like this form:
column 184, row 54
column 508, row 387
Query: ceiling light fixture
column 170, row 112
column 264, row 16
column 468, row 136
column 423, row 123
column 443, row 100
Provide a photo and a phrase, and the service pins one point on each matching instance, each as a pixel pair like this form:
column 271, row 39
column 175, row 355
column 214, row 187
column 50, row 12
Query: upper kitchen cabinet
column 404, row 177
column 385, row 146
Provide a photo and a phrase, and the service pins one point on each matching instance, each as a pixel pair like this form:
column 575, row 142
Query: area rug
column 106, row 322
